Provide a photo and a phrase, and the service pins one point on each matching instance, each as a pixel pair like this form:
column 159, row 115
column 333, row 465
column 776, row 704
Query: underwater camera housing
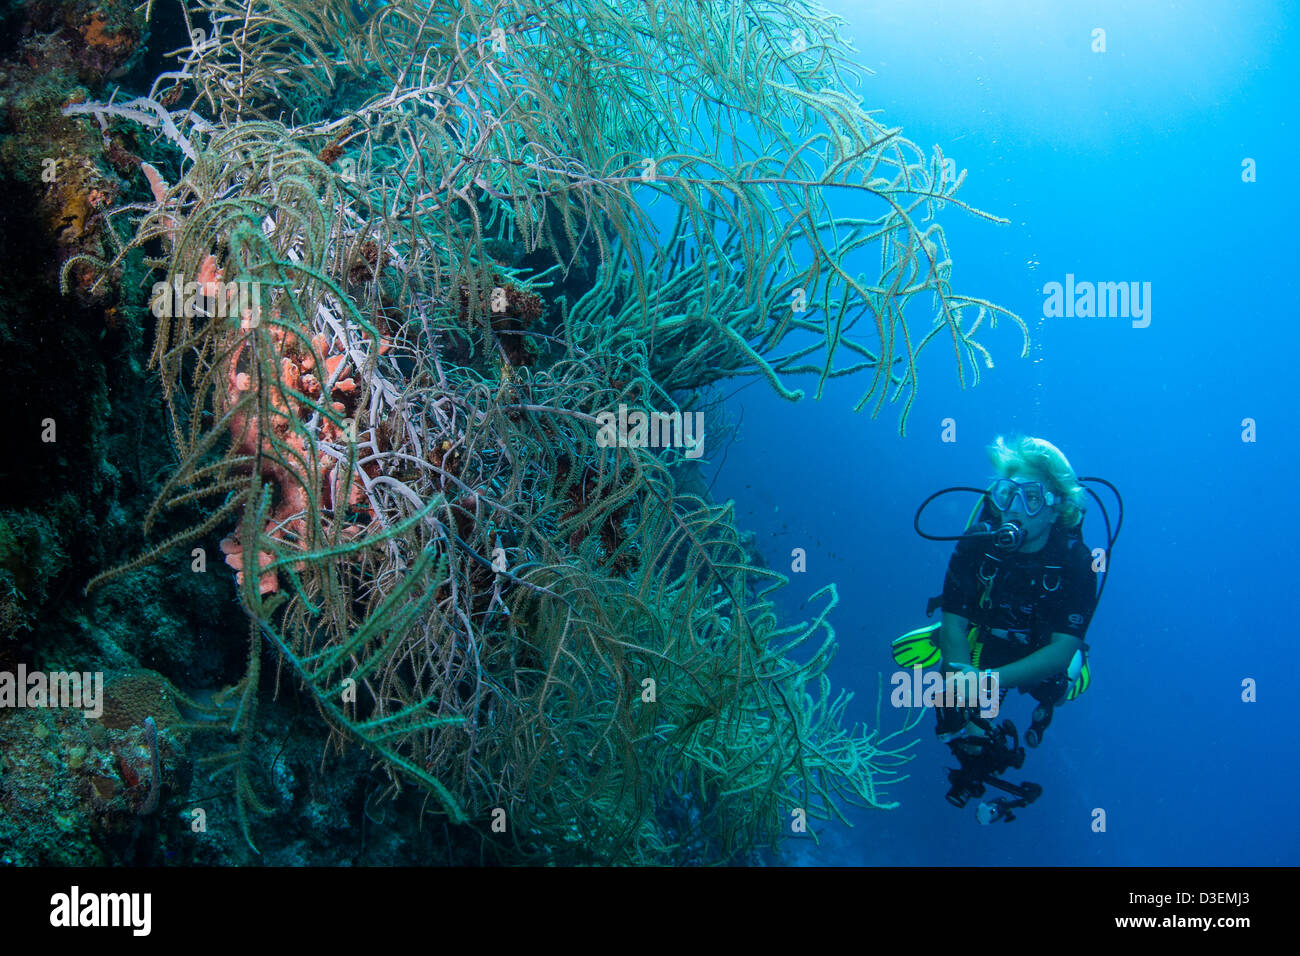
column 999, row 751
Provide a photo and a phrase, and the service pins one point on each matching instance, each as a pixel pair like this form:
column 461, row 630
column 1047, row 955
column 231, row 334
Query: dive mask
column 1033, row 496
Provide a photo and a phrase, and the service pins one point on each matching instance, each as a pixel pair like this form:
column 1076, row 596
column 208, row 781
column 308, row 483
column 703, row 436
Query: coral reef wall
column 356, row 350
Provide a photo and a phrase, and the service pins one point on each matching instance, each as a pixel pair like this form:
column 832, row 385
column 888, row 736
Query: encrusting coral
column 307, row 369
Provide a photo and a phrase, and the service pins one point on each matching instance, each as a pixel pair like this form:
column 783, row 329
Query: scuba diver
column 1019, row 593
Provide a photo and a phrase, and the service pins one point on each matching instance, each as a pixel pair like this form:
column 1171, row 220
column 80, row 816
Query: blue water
column 1115, row 166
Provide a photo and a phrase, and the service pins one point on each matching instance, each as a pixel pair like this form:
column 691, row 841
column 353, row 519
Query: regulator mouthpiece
column 1010, row 536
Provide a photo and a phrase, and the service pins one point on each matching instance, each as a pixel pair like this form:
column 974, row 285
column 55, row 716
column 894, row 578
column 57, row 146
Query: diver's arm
column 953, row 645
column 1042, row 664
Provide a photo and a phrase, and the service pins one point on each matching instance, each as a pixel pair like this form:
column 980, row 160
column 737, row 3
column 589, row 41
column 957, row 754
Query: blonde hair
column 1040, row 456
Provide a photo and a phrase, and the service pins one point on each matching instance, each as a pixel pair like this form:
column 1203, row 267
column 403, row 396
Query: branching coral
column 444, row 209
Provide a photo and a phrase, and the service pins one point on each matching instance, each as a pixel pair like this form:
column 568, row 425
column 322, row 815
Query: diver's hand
column 979, row 680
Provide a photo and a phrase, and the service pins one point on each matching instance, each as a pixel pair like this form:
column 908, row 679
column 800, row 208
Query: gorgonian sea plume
column 471, row 228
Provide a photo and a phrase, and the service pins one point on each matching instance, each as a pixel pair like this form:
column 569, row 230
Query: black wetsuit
column 1031, row 597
